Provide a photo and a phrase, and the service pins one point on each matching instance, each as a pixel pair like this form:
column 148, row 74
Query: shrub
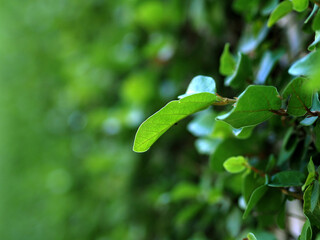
column 266, row 134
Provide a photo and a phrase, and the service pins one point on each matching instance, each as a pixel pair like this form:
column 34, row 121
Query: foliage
column 271, row 130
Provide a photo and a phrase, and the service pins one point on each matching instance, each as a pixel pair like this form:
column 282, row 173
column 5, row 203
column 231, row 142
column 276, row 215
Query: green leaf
column 254, row 199
column 156, row 125
column 254, row 106
column 229, row 148
column 300, row 99
column 314, row 216
column 306, row 232
column 243, row 133
column 251, row 236
column 300, row 5
column 242, row 73
column 200, row 84
column 268, row 61
column 311, row 168
column 279, row 12
column 314, row 44
column 315, row 107
column 316, row 22
column 235, row 164
column 227, row 62
column 314, row 196
column 305, row 66
column 289, row 178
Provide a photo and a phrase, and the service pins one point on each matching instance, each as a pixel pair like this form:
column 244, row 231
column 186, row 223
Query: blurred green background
column 77, row 79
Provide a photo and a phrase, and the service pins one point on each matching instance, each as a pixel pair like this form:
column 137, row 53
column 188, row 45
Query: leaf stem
column 224, row 101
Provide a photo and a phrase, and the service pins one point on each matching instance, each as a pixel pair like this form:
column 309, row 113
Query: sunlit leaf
column 156, row 125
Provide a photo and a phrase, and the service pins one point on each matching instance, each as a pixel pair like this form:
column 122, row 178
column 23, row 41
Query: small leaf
column 254, row 199
column 300, row 5
column 287, row 179
column 279, row 12
column 254, row 106
column 235, row 164
column 200, row 84
column 227, row 62
column 156, row 125
column 251, row 236
column 230, row 147
column 242, row 73
column 300, row 99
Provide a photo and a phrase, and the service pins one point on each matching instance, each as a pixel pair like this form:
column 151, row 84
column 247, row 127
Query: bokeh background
column 77, row 78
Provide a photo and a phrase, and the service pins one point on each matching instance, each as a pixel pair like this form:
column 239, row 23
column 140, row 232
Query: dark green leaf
column 279, row 12
column 306, row 233
column 299, row 99
column 316, row 22
column 314, row 196
column 281, row 218
column 287, row 179
column 254, row 106
column 254, row 199
column 227, row 62
column 242, row 73
column 156, row 125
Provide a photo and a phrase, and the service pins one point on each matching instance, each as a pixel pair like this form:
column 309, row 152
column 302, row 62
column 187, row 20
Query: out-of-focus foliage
column 77, row 78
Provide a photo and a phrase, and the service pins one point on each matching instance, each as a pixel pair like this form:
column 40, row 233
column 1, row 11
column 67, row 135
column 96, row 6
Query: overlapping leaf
column 299, row 99
column 156, row 125
column 254, row 106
